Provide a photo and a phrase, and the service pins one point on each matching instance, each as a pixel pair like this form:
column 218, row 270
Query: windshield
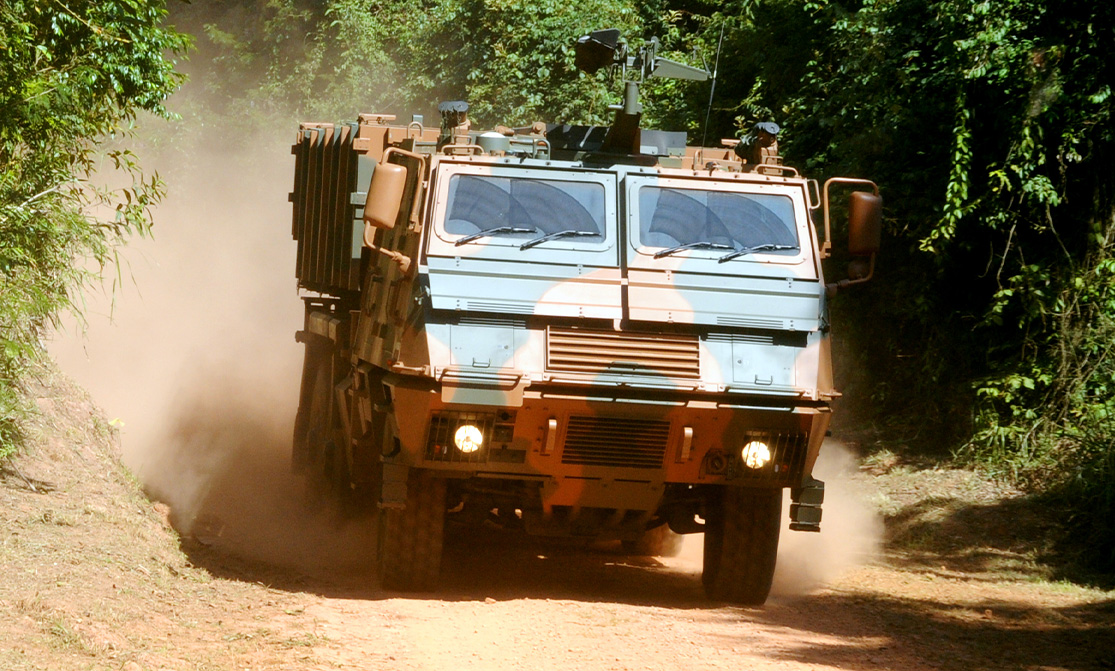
column 716, row 220
column 524, row 208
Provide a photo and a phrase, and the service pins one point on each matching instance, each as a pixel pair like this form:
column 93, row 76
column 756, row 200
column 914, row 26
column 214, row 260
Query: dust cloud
column 851, row 530
column 193, row 356
column 225, row 472
column 851, row 533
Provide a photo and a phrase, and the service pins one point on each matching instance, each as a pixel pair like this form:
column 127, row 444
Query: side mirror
column 385, row 197
column 865, row 230
column 865, row 223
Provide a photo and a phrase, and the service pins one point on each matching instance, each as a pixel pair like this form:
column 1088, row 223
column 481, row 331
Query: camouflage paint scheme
column 601, row 377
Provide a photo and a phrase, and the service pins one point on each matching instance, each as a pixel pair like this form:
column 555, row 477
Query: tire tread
column 741, row 545
column 410, row 539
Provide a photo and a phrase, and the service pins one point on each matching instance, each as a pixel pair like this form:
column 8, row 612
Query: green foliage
column 989, row 125
column 1053, row 426
column 73, row 76
column 512, row 60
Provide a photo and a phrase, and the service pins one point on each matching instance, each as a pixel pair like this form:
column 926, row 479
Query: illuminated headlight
column 468, row 439
column 755, row 454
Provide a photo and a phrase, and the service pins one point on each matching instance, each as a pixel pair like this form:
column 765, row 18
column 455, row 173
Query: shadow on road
column 924, row 613
column 869, row 631
column 484, row 563
column 859, row 627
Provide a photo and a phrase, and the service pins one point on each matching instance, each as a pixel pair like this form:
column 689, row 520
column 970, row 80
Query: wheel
column 410, row 539
column 656, row 542
column 741, row 544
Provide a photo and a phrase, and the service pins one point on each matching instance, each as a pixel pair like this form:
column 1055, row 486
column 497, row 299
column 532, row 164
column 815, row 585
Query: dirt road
column 94, row 578
column 512, row 603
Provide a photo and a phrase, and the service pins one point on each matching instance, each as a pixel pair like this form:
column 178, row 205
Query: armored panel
column 324, row 178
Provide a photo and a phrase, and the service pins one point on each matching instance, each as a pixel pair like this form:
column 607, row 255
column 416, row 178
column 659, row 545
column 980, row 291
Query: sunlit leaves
column 73, row 75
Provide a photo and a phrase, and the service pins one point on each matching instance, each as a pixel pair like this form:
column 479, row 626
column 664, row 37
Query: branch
column 96, row 29
column 39, row 195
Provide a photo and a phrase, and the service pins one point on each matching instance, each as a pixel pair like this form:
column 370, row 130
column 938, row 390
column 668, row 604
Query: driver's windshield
column 716, row 220
column 524, row 208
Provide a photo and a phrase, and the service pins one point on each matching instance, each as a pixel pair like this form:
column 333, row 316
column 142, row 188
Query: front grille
column 787, row 457
column 611, row 441
column 595, row 352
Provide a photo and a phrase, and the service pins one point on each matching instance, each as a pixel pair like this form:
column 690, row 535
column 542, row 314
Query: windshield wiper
column 568, row 233
column 492, row 231
column 700, row 244
column 768, row 247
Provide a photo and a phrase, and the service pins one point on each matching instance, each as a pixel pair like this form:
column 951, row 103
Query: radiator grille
column 595, row 352
column 610, row 441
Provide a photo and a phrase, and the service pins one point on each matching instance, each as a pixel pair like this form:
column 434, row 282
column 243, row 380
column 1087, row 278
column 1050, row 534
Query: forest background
column 986, row 335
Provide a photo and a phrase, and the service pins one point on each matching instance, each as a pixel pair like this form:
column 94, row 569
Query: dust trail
column 200, row 365
column 851, row 533
column 851, row 530
column 232, row 486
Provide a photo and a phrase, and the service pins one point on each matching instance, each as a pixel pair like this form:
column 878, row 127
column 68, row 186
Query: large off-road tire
column 656, row 542
column 741, row 544
column 410, row 539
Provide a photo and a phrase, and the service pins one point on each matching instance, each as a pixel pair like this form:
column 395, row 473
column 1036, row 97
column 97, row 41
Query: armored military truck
column 598, row 332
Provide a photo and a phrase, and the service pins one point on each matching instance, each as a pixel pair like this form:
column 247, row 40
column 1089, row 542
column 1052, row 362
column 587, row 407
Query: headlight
column 468, row 439
column 755, row 454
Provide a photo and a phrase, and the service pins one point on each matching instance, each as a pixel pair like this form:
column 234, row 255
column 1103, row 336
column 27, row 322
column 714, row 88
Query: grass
column 306, row 640
column 91, row 570
column 65, row 638
column 13, row 412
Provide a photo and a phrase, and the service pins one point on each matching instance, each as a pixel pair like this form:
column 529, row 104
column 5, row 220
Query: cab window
column 530, row 206
column 671, row 217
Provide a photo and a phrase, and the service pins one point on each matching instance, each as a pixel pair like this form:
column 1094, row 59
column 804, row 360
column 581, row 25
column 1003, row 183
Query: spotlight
column 596, row 50
column 468, row 438
column 755, row 454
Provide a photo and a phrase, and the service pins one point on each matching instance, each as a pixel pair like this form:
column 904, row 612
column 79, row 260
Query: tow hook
column 805, row 506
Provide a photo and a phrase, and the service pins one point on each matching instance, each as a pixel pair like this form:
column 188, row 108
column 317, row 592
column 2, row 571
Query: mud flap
column 318, row 353
column 393, row 491
column 805, row 509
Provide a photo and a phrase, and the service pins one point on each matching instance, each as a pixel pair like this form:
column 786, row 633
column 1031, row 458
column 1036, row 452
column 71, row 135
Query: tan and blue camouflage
column 617, row 331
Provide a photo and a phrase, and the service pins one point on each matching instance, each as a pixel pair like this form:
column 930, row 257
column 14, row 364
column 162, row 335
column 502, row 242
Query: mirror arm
column 834, row 287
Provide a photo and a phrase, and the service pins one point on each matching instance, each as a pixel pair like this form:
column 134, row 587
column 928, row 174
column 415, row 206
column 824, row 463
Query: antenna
column 712, row 91
column 605, row 48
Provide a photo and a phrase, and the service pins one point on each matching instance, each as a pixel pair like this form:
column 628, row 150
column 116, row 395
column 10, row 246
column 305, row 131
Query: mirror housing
column 865, row 223
column 385, row 197
column 865, row 230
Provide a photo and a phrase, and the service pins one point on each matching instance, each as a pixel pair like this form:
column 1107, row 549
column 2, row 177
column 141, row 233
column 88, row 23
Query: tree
column 74, row 74
column 989, row 125
column 330, row 60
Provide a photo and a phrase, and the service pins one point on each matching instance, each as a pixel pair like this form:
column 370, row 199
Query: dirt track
column 94, row 579
column 512, row 603
column 951, row 591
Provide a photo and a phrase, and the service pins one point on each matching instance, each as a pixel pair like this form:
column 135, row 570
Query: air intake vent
column 595, row 352
column 610, row 441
